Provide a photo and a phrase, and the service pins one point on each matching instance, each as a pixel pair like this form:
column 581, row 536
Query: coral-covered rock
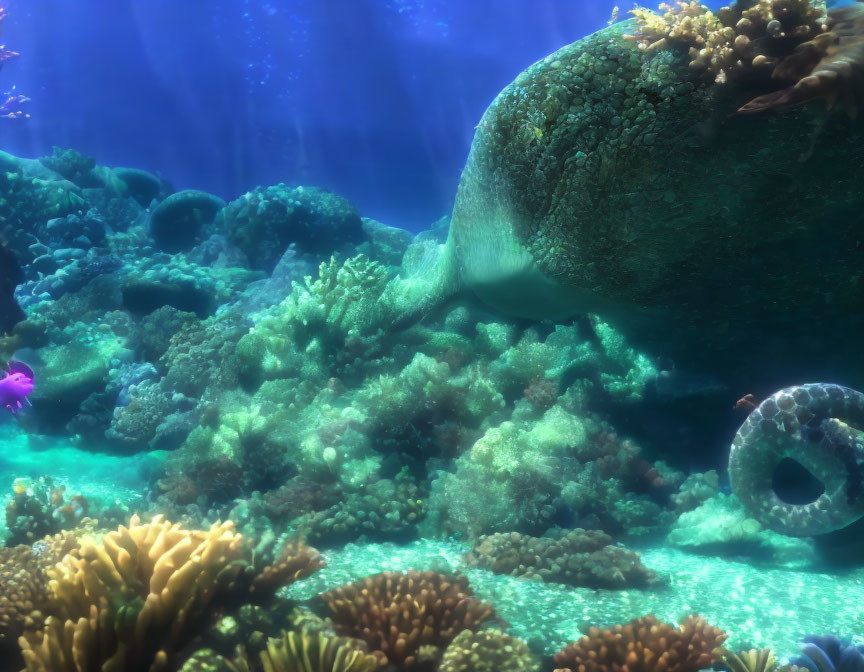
column 265, row 221
column 578, row 558
column 24, row 593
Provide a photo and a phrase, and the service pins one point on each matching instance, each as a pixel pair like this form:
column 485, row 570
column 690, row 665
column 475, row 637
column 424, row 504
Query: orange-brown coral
column 644, row 645
column 396, row 613
column 131, row 600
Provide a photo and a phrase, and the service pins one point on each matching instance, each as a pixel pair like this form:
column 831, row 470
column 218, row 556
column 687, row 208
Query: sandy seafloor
column 756, row 605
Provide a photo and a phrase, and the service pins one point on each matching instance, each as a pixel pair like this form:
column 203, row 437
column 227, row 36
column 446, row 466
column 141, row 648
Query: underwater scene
column 431, row 336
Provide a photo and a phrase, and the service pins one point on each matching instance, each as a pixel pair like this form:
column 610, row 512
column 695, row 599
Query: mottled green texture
column 30, row 194
column 69, row 371
column 487, row 651
column 606, row 176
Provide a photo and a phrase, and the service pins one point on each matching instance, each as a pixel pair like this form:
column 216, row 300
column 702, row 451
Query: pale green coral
column 721, row 525
column 329, row 325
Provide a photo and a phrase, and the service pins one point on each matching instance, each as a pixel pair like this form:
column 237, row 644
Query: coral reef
column 746, row 39
column 10, row 276
column 398, row 613
column 578, row 558
column 582, row 156
column 644, row 645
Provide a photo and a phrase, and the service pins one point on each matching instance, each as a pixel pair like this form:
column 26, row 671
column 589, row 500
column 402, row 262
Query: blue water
column 376, row 99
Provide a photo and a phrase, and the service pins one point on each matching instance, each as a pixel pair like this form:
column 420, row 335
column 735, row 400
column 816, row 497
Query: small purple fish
column 16, row 385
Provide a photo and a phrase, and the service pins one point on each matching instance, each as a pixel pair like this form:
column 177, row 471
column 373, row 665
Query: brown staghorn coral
column 487, row 651
column 644, row 645
column 396, row 613
column 307, row 651
column 579, row 558
column 810, row 53
column 131, row 600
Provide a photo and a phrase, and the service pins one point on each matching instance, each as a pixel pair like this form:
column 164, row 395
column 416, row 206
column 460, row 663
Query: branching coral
column 130, row 601
column 397, row 613
column 307, row 651
column 328, row 326
column 644, row 645
column 579, row 558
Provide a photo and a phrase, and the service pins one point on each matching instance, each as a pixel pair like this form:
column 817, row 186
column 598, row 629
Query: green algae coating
column 757, row 607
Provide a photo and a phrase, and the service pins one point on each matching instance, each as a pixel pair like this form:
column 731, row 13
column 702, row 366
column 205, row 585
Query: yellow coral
column 317, row 652
column 129, row 601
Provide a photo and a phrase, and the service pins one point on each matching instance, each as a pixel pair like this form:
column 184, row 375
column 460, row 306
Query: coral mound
column 487, row 651
column 132, row 600
column 24, row 593
column 644, row 645
column 397, row 613
column 579, row 558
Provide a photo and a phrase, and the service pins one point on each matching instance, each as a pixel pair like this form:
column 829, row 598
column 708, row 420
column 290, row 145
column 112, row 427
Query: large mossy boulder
column 621, row 180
